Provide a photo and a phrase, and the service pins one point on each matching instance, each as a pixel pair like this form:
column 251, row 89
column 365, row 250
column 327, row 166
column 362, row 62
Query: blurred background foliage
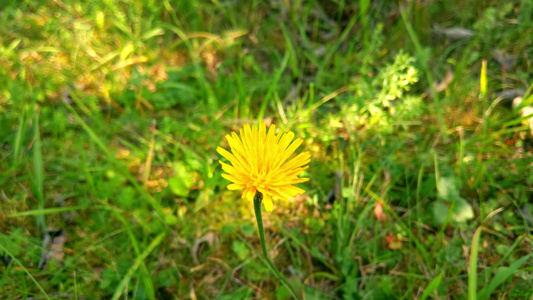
column 417, row 115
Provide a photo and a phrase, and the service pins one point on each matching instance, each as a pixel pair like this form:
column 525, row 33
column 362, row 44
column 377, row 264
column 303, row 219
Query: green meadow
column 417, row 115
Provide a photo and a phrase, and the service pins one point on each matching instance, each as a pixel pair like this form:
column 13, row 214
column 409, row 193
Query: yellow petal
column 226, row 154
column 233, row 186
column 289, row 174
column 229, row 169
column 236, row 160
column 235, row 144
column 249, row 194
column 299, row 180
column 267, row 202
column 277, row 195
column 291, row 149
column 262, row 132
column 285, row 141
column 300, row 160
column 260, row 160
column 289, row 191
column 289, row 182
column 234, row 179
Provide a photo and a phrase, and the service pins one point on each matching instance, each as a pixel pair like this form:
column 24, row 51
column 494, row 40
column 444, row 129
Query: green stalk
column 258, row 198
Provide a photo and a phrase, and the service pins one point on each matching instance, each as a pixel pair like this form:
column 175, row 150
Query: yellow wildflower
column 259, row 162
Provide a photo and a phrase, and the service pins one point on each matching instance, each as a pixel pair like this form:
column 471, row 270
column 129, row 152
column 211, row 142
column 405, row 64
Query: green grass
column 110, row 114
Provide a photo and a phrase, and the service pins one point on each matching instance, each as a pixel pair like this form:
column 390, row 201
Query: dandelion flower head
column 260, row 162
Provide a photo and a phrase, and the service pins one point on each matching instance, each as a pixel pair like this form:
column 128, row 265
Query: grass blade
column 319, row 256
column 266, row 263
column 3, row 279
column 145, row 275
column 38, row 169
column 506, row 255
column 502, row 275
column 429, row 77
column 293, row 60
column 155, row 205
column 432, row 286
column 363, row 15
column 44, row 211
column 149, row 286
column 472, row 268
column 273, row 85
column 18, row 139
column 25, row 270
column 140, row 259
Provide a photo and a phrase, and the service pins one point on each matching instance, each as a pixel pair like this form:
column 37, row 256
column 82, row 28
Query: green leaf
column 178, row 187
column 226, row 229
column 203, row 199
column 463, row 211
column 171, row 219
column 182, row 181
column 282, row 293
column 154, row 32
column 127, row 198
column 432, row 286
column 440, row 210
column 447, row 189
column 240, row 249
column 502, row 275
column 248, row 229
column 241, row 293
column 256, row 271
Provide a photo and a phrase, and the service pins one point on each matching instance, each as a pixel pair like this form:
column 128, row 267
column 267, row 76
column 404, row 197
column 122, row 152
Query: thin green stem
column 258, row 198
column 257, row 207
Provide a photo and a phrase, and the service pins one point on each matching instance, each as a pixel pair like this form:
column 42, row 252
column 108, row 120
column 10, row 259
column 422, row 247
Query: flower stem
column 258, row 198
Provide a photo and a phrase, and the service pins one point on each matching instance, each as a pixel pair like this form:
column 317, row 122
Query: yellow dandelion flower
column 260, row 162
